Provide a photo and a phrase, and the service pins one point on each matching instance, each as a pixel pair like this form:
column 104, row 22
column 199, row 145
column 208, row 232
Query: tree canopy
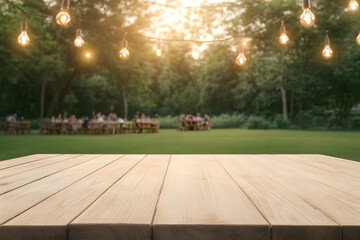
column 51, row 75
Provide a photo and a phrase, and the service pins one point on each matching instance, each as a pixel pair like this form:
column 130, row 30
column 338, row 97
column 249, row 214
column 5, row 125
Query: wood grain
column 19, row 200
column 23, row 160
column 341, row 207
column 200, row 201
column 65, row 161
column 34, row 165
column 290, row 216
column 126, row 210
column 70, row 203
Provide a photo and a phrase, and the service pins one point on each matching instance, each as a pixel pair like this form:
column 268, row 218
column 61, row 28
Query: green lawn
column 339, row 144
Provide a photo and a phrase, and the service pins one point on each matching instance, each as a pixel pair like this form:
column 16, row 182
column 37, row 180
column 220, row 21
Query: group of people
column 141, row 119
column 190, row 122
column 96, row 118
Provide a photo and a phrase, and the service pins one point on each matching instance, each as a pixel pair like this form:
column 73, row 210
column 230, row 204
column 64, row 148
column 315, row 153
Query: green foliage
column 51, row 76
column 228, row 121
column 281, row 123
column 255, row 122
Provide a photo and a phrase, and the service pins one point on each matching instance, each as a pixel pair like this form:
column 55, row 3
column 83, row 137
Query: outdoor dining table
column 17, row 127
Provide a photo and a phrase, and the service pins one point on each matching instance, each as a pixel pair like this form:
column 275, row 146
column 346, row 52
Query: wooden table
column 180, row 197
column 17, row 127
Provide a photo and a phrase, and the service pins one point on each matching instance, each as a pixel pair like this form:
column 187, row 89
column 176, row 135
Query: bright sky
column 175, row 22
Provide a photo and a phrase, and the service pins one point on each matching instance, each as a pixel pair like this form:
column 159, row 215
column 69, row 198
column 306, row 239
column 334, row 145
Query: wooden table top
column 180, row 197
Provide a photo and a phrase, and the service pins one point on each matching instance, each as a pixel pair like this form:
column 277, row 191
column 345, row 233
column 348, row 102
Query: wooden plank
column 19, row 200
column 126, row 210
column 68, row 203
column 199, row 200
column 290, row 216
column 15, row 181
column 23, row 160
column 341, row 167
column 35, row 165
column 332, row 176
column 340, row 207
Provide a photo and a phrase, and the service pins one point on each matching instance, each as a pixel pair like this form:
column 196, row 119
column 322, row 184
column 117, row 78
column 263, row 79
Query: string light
column 158, row 49
column 23, row 39
column 124, row 52
column 241, row 59
column 79, row 41
column 284, row 39
column 353, row 6
column 63, row 17
column 307, row 18
column 327, row 52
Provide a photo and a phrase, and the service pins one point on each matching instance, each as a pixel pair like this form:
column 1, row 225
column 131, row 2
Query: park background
column 292, row 88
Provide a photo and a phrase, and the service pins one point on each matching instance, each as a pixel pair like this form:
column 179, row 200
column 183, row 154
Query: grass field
column 240, row 141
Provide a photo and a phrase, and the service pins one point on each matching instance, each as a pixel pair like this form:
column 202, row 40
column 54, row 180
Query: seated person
column 120, row 120
column 181, row 121
column 207, row 122
column 11, row 118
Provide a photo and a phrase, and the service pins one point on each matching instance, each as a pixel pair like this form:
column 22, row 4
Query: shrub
column 228, row 121
column 281, row 122
column 257, row 123
column 167, row 122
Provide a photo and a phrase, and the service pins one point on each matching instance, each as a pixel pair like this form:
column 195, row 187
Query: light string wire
column 164, row 5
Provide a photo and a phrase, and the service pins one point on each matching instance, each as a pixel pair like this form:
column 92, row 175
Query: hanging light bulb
column 79, row 41
column 358, row 39
column 353, row 6
column 63, row 17
column 284, row 39
column 158, row 49
column 327, row 52
column 23, row 39
column 241, row 59
column 124, row 52
column 307, row 18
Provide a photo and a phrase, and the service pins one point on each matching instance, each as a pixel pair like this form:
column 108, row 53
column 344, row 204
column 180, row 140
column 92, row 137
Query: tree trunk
column 292, row 104
column 284, row 103
column 300, row 112
column 124, row 101
column 283, row 91
column 1, row 93
column 42, row 99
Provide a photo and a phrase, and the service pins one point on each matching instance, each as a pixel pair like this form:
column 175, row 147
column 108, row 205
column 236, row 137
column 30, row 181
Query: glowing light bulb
column 158, row 49
column 124, row 52
column 158, row 52
column 23, row 39
column 353, row 6
column 307, row 18
column 78, row 42
column 241, row 59
column 88, row 55
column 327, row 52
column 284, row 39
column 358, row 39
column 63, row 17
